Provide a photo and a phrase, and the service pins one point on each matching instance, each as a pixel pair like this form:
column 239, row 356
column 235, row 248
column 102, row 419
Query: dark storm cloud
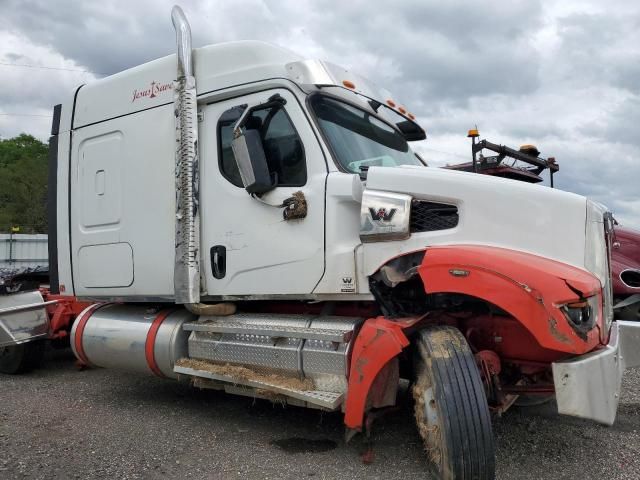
column 105, row 39
column 108, row 37
column 563, row 75
column 445, row 49
column 451, row 51
column 597, row 48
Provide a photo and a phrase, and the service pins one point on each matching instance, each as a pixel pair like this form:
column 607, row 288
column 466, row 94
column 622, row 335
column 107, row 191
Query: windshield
column 358, row 139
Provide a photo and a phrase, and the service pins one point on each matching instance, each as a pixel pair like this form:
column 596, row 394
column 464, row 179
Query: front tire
column 21, row 358
column 451, row 409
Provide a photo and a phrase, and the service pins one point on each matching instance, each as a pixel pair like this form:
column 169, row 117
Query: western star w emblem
column 381, row 214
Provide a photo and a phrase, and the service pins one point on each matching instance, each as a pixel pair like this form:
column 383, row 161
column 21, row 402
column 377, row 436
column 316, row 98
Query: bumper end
column 589, row 386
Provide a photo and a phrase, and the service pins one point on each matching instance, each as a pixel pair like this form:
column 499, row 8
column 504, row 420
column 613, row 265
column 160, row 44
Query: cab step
column 296, row 346
column 325, row 328
column 319, row 399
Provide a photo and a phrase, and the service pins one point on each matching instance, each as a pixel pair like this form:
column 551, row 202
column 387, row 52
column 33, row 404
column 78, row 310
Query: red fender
column 378, row 341
column 528, row 287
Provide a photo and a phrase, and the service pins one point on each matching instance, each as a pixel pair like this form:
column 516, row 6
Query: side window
column 282, row 145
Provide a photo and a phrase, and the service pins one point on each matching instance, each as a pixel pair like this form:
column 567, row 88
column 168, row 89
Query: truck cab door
column 248, row 248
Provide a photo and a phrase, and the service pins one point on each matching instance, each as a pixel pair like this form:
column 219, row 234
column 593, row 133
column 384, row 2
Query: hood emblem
column 381, row 214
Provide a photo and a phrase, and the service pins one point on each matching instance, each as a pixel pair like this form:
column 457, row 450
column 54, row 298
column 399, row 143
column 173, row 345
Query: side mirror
column 249, row 152
column 252, row 162
column 411, row 131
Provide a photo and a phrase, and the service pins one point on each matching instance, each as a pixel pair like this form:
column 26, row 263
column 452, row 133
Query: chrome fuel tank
column 129, row 337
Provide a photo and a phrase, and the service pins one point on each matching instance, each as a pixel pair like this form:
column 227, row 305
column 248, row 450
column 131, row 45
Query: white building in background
column 19, row 251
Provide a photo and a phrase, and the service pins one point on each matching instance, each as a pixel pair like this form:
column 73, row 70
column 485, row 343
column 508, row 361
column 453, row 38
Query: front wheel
column 451, row 409
column 21, row 358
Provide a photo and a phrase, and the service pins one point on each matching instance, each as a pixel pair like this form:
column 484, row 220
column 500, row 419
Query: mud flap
column 23, row 318
column 379, row 341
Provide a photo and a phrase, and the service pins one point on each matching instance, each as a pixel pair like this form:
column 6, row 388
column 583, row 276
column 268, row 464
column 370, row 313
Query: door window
column 282, row 145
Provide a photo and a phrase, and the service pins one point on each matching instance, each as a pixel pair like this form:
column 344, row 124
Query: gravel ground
column 59, row 422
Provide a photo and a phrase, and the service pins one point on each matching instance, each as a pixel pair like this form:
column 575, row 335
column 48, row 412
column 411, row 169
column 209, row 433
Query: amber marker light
column 458, row 272
column 577, row 304
column 349, row 84
column 391, row 103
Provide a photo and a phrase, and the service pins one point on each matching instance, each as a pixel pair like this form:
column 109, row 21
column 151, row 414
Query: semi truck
column 244, row 219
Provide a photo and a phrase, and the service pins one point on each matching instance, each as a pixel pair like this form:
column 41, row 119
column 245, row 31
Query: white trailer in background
column 258, row 223
column 19, row 251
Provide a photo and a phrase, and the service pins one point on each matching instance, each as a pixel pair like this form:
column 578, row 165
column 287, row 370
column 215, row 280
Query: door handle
column 219, row 261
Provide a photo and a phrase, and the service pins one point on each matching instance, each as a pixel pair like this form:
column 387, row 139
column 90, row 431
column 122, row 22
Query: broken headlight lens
column 582, row 315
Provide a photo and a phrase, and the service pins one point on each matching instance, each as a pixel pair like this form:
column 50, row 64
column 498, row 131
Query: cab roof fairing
column 216, row 67
column 313, row 74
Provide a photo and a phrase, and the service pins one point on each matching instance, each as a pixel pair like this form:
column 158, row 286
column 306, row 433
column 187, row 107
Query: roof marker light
column 391, row 103
column 349, row 84
column 402, row 110
column 411, row 116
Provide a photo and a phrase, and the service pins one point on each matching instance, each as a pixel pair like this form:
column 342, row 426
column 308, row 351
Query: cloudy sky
column 564, row 75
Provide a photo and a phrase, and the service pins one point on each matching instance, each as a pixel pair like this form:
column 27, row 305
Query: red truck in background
column 526, row 165
column 625, row 270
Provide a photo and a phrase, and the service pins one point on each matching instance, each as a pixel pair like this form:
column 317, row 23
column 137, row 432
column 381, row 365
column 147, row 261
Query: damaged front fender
column 530, row 288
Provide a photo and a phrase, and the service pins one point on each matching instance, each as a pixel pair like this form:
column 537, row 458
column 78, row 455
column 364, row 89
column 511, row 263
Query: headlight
column 582, row 316
column 384, row 216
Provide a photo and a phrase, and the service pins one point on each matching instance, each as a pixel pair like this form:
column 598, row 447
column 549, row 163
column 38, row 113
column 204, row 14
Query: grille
column 431, row 216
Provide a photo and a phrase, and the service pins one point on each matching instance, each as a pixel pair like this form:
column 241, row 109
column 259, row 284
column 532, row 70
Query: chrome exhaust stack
column 186, row 273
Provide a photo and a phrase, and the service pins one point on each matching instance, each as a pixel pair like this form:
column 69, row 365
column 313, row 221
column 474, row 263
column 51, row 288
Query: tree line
column 23, row 184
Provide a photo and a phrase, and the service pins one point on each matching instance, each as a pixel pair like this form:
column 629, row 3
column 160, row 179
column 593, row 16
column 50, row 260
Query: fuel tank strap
column 150, row 343
column 82, row 323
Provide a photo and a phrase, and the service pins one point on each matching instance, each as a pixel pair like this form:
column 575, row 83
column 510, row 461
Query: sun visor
column 326, row 74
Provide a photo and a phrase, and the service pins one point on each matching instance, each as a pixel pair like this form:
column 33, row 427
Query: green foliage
column 23, row 184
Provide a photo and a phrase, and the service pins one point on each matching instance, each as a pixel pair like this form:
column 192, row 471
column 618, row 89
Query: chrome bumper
column 589, row 386
column 23, row 318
